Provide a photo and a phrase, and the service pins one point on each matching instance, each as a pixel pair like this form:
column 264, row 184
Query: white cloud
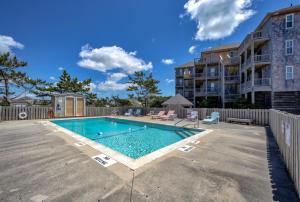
column 217, row 18
column 192, row 49
column 108, row 58
column 7, row 43
column 168, row 61
column 112, row 83
column 91, row 87
column 52, row 78
column 169, row 81
column 60, row 68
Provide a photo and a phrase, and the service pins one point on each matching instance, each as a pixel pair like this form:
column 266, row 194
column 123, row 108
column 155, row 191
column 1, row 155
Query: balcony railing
column 199, row 60
column 232, row 97
column 232, row 77
column 212, row 90
column 179, row 74
column 232, row 60
column 200, row 74
column 179, row 84
column 189, row 88
column 262, row 82
column 260, row 35
column 187, row 76
column 262, row 58
column 200, row 90
column 212, row 74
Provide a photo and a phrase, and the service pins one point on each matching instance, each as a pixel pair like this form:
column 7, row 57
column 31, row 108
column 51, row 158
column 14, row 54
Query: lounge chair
column 193, row 116
column 129, row 112
column 150, row 113
column 157, row 116
column 138, row 112
column 169, row 116
column 214, row 118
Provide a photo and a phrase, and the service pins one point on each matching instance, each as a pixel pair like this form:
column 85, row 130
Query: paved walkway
column 233, row 163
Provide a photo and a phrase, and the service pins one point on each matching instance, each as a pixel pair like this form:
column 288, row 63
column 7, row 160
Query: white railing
column 262, row 82
column 262, row 58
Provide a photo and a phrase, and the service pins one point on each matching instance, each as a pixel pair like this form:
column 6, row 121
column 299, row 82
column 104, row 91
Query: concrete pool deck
column 232, row 163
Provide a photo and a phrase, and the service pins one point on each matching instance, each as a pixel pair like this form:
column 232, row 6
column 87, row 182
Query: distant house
column 20, row 102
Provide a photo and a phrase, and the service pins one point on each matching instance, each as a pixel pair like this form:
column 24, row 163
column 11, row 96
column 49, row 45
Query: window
column 289, row 72
column 289, row 21
column 289, row 47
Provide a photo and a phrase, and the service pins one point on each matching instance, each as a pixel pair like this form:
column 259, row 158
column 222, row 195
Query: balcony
column 260, row 36
column 199, row 74
column 212, row 75
column 266, row 58
column 179, row 74
column 232, row 78
column 187, row 76
column 232, row 60
column 178, row 84
column 188, row 88
column 199, row 61
column 200, row 91
column 212, row 91
column 231, row 97
column 262, row 82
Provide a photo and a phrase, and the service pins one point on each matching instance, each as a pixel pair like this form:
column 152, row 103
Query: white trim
column 286, row 72
column 286, row 43
column 127, row 161
column 286, row 16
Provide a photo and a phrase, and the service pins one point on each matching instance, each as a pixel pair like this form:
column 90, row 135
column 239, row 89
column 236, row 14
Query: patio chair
column 138, row 112
column 213, row 118
column 150, row 113
column 129, row 112
column 157, row 116
column 193, row 116
column 169, row 116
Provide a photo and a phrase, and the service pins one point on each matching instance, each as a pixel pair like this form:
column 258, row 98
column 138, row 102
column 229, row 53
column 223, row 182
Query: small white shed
column 68, row 105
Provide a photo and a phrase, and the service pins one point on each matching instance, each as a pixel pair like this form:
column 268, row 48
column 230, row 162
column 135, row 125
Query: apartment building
column 264, row 68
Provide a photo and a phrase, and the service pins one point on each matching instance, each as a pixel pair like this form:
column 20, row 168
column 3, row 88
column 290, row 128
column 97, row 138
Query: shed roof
column 178, row 100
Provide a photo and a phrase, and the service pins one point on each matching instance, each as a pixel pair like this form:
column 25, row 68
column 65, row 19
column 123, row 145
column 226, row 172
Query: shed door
column 80, row 108
column 69, row 106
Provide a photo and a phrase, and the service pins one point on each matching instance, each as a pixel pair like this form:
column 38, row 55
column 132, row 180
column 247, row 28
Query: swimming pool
column 132, row 138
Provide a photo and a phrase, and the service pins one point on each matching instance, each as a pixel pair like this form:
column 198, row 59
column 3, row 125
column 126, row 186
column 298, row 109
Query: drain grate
column 104, row 160
column 186, row 148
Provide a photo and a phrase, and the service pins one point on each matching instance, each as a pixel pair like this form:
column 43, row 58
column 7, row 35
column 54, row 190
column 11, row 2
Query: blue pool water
column 132, row 138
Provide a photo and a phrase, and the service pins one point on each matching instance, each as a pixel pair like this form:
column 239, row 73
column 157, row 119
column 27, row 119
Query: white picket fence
column 286, row 130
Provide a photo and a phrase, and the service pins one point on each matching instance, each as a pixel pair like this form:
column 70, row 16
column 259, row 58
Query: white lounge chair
column 214, row 118
column 138, row 112
column 157, row 116
column 193, row 116
column 129, row 112
column 169, row 116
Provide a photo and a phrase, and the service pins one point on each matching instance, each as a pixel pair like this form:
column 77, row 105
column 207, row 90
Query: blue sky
column 108, row 40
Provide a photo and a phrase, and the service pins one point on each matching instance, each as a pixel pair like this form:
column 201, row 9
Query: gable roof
column 178, row 100
column 223, row 47
column 188, row 64
column 282, row 11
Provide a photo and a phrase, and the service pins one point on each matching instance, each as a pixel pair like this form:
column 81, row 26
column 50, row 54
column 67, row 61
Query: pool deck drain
column 104, row 160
